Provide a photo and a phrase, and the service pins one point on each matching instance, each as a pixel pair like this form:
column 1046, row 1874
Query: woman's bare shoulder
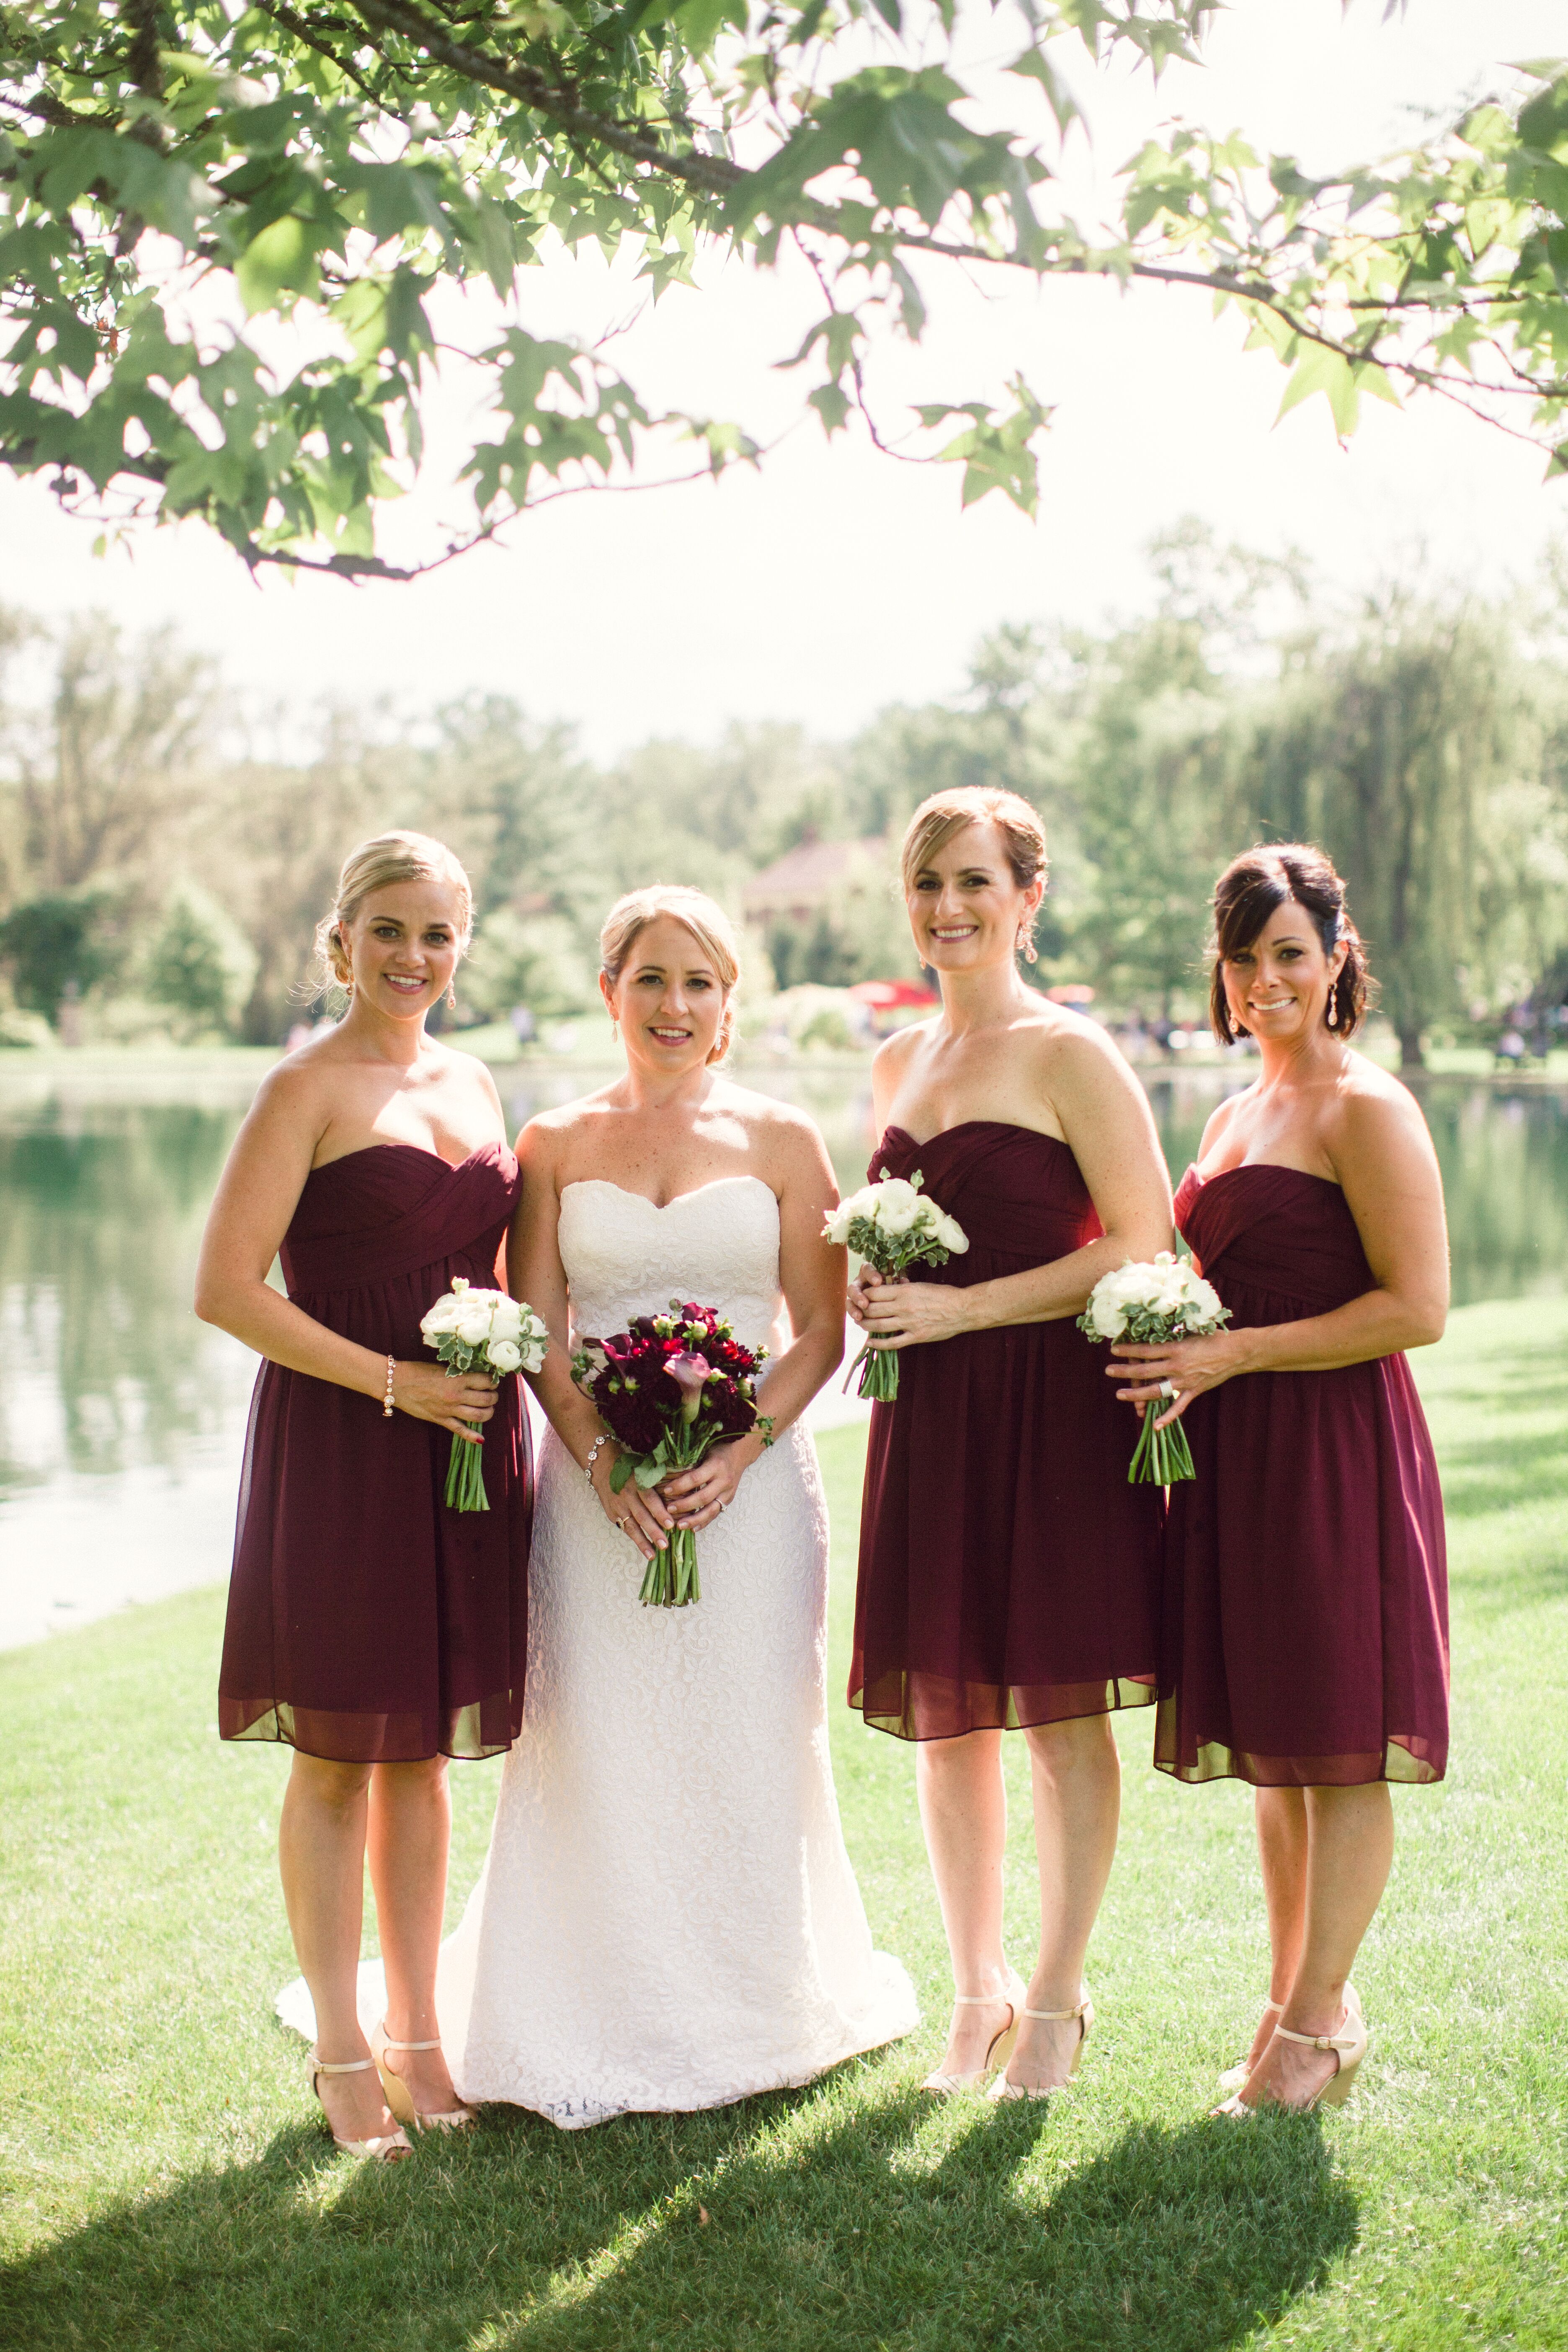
column 550, row 1133
column 779, row 1134
column 1371, row 1110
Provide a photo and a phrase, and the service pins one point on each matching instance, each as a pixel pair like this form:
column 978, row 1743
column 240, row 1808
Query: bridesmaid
column 1008, row 1572
column 370, row 1629
column 1307, row 1615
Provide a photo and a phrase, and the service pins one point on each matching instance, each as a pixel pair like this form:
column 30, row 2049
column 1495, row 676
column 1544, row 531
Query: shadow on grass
column 830, row 2223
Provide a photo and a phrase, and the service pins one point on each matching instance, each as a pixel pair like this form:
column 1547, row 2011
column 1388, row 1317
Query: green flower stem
column 466, row 1475
column 1161, row 1456
column 671, row 1580
column 880, row 1377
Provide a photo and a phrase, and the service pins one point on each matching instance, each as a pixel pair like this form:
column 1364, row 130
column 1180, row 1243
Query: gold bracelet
column 386, row 1400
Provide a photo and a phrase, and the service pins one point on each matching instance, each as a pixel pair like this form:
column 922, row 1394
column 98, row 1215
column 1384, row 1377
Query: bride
column 668, row 1918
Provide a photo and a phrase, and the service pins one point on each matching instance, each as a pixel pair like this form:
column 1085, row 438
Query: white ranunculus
column 474, row 1330
column 899, row 1205
column 442, row 1317
column 1206, row 1299
column 951, row 1234
column 505, row 1356
column 506, row 1318
column 837, row 1223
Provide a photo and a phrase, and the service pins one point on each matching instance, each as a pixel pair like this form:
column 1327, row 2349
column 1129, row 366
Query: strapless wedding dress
column 668, row 1919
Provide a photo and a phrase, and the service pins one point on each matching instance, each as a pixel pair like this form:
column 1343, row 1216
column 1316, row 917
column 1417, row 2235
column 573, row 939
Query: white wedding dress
column 667, row 1919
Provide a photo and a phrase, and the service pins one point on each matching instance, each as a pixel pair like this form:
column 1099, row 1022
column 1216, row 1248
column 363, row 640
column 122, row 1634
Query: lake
column 122, row 1417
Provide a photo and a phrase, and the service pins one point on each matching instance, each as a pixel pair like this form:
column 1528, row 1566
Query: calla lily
column 689, row 1374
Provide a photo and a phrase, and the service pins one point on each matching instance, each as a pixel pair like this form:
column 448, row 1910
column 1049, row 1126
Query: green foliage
column 535, row 961
column 338, row 166
column 200, row 964
column 56, row 946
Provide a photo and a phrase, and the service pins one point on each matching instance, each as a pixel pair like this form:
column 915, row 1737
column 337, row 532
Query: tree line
column 164, row 856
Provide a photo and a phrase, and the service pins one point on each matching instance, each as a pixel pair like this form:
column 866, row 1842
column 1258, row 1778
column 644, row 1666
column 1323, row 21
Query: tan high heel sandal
column 1350, row 2046
column 400, row 2098
column 384, row 2148
column 1002, row 2089
column 1234, row 2076
column 998, row 2049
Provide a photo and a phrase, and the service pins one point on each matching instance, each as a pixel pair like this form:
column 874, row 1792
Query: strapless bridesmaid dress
column 1009, row 1575
column 1306, row 1634
column 367, row 1623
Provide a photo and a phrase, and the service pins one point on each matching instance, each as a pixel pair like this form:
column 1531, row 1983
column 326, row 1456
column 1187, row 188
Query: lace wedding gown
column 667, row 1919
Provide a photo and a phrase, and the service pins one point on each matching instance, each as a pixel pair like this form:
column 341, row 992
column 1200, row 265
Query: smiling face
column 1278, row 987
column 402, row 947
column 669, row 998
column 964, row 907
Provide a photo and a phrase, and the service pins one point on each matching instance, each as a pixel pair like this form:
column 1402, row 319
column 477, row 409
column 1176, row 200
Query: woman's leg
column 321, row 1855
column 1281, row 1817
column 963, row 1811
column 410, row 1832
column 1076, row 1777
column 1350, row 1852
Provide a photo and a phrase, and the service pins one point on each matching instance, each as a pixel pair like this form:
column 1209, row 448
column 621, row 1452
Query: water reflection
column 121, row 1415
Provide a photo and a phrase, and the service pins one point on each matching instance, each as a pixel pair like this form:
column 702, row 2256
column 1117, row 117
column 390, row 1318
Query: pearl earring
column 1333, row 1009
column 1024, row 946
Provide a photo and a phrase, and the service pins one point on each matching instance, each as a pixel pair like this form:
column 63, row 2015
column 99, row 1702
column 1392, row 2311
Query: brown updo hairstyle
column 1245, row 896
column 708, row 923
column 378, row 865
column 936, row 821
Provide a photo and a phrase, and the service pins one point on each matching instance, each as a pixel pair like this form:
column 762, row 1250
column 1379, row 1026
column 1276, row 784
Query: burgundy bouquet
column 667, row 1389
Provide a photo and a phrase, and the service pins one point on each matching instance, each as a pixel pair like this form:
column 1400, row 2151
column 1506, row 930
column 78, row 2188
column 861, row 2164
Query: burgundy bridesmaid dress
column 367, row 1623
column 1009, row 1575
column 1307, row 1624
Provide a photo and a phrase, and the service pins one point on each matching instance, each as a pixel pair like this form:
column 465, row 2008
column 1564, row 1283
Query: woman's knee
column 1083, row 1744
column 321, row 1781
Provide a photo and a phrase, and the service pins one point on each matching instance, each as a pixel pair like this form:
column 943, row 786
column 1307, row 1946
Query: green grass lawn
column 166, row 2184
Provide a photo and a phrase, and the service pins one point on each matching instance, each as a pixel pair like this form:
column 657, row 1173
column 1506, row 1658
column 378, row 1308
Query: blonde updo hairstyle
column 378, row 865
column 709, row 925
column 935, row 822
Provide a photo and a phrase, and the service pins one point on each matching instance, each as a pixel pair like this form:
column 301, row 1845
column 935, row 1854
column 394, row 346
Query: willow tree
column 178, row 175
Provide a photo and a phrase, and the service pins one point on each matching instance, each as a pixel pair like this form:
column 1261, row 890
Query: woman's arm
column 1383, row 1157
column 534, row 1272
column 812, row 1274
column 257, row 1195
column 1105, row 1121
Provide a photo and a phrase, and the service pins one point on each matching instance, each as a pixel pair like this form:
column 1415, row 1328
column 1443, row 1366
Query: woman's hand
column 697, row 1497
column 639, row 1512
column 906, row 1314
column 1190, row 1365
column 450, row 1400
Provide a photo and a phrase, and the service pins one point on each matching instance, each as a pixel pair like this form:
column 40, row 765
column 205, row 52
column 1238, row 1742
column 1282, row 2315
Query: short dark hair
column 1248, row 893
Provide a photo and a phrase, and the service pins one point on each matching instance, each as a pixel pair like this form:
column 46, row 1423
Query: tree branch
column 710, row 175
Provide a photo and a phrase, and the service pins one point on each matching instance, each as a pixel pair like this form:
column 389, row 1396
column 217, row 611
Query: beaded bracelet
column 602, row 1439
column 386, row 1400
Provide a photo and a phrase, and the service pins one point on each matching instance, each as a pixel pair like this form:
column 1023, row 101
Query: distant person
column 1510, row 1048
column 1009, row 1574
column 1306, row 1608
column 372, row 1629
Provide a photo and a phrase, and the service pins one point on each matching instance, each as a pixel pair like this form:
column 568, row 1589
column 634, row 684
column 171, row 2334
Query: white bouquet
column 893, row 1225
column 469, row 1328
column 1150, row 1305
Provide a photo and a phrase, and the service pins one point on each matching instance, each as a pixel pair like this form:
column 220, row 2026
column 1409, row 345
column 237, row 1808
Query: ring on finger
column 1168, row 1389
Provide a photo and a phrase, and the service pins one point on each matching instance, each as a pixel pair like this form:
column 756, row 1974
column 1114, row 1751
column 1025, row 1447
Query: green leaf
column 281, row 260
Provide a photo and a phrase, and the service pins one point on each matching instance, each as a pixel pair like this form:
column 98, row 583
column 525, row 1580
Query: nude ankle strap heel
column 1084, row 2012
column 1350, row 2047
column 998, row 2049
column 400, row 2098
column 384, row 2148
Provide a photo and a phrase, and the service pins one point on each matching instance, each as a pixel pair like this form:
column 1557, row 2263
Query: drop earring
column 1024, row 946
column 451, row 997
column 1333, row 1008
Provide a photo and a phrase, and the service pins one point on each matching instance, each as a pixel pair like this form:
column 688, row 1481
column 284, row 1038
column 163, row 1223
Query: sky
column 838, row 581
